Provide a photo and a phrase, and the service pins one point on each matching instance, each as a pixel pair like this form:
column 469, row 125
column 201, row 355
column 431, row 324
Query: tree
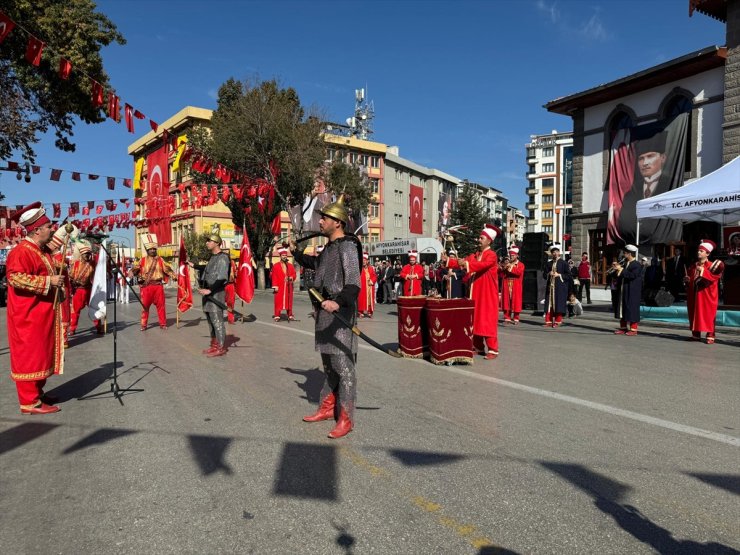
column 253, row 127
column 342, row 178
column 195, row 246
column 34, row 100
column 468, row 211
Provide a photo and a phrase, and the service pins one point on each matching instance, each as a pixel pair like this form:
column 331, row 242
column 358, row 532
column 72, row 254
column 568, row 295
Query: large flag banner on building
column 244, row 286
column 646, row 160
column 184, row 288
column 158, row 187
column 96, row 308
column 416, row 209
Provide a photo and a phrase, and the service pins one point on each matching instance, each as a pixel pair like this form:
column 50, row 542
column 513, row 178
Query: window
column 397, row 220
column 353, row 157
column 374, row 161
column 547, row 199
column 375, row 186
column 331, row 154
column 399, row 175
column 533, row 168
column 548, row 168
column 547, row 214
column 682, row 105
column 548, row 151
column 398, row 196
column 549, row 182
column 531, row 152
column 362, row 159
column 374, row 210
column 547, row 229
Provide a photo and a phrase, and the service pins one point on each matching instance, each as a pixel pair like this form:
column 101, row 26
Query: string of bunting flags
column 56, row 174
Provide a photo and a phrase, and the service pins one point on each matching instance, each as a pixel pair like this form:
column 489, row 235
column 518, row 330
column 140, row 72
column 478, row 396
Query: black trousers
column 587, row 284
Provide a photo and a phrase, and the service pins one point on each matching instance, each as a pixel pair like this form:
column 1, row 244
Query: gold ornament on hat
column 336, row 210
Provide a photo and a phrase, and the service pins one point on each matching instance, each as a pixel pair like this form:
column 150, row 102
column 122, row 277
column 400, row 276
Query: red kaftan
column 412, row 274
column 513, row 282
column 283, row 278
column 483, row 272
column 366, row 298
column 34, row 325
column 702, row 297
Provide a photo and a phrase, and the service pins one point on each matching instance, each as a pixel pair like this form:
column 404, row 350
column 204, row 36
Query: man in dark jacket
column 630, row 293
column 214, row 278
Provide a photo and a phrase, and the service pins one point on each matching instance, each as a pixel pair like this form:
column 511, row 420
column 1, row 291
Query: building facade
column 516, row 225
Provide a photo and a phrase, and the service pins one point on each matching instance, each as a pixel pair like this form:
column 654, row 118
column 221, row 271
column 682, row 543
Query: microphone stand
column 117, row 391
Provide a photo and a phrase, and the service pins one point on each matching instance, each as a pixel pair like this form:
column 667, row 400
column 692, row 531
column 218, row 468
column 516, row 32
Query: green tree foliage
column 468, row 211
column 34, row 100
column 252, row 126
column 350, row 180
column 195, row 246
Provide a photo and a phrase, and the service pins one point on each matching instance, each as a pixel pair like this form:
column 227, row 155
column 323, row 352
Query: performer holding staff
column 283, row 277
column 152, row 271
column 703, row 292
column 412, row 274
column 558, row 277
column 482, row 268
column 513, row 282
column 366, row 298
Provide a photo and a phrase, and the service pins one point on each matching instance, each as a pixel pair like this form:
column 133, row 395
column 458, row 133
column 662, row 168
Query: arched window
column 681, row 103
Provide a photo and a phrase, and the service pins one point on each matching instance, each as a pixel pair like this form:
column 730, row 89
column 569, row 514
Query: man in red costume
column 283, row 278
column 482, row 268
column 34, row 318
column 366, row 298
column 412, row 274
column 81, row 276
column 60, row 256
column 152, row 272
column 230, row 289
column 513, row 284
column 702, row 294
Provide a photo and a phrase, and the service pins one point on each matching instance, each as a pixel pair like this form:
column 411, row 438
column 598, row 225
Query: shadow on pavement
column 307, row 470
column 22, row 434
column 314, row 381
column 728, row 482
column 208, row 452
column 83, row 384
column 98, row 437
column 607, row 493
column 424, row 458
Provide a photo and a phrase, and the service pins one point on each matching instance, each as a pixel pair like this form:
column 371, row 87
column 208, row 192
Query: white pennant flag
column 96, row 308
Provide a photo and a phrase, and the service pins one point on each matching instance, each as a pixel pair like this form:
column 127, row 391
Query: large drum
column 412, row 337
column 449, row 324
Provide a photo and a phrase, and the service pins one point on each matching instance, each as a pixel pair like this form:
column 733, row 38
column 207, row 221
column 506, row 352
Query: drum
column 449, row 323
column 412, row 338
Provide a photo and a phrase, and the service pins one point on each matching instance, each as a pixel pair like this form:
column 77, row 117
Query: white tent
column 714, row 197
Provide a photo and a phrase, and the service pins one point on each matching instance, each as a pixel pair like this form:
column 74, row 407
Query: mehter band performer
column 366, row 298
column 213, row 285
column 629, row 285
column 60, row 246
column 412, row 274
column 34, row 319
column 482, row 269
column 283, row 280
column 81, row 277
column 558, row 277
column 338, row 280
column 152, row 272
column 230, row 291
column 703, row 292
column 513, row 284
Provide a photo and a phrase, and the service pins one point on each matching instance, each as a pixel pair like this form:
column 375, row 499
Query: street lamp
column 20, row 171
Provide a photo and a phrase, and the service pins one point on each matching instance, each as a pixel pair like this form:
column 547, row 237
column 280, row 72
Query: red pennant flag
column 99, row 209
column 97, row 94
column 275, row 226
column 154, row 125
column 55, row 175
column 36, row 169
column 85, row 210
column 74, row 207
column 127, row 183
column 57, row 209
column 110, row 206
column 76, row 176
column 92, row 176
column 129, row 114
column 244, row 285
column 111, row 182
column 33, row 50
column 114, row 107
column 91, row 204
column 6, row 26
column 184, row 288
column 138, row 115
column 13, row 166
column 65, row 68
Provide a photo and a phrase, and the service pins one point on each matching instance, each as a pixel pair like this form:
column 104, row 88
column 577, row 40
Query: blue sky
column 458, row 86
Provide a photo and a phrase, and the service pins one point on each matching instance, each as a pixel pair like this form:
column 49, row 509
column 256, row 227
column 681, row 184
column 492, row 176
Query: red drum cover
column 449, row 325
column 412, row 337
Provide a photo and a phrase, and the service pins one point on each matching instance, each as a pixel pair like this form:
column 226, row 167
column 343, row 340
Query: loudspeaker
column 532, row 253
column 531, row 290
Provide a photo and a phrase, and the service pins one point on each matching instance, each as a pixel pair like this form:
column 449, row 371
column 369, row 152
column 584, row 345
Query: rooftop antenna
column 360, row 124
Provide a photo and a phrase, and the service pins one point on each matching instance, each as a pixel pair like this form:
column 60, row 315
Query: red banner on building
column 416, row 209
column 158, row 205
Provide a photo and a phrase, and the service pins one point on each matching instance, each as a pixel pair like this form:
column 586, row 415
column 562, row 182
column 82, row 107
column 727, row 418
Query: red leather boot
column 343, row 427
column 325, row 411
column 214, row 345
column 218, row 351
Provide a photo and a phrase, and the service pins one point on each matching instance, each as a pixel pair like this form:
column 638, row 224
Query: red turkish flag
column 96, row 94
column 65, row 68
column 244, row 285
column 158, row 191
column 55, row 175
column 184, row 288
column 57, row 209
column 6, row 26
column 114, row 107
column 33, row 50
column 416, row 209
column 128, row 111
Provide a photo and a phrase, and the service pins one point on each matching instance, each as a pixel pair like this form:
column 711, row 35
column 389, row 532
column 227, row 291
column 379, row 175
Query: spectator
column 584, row 278
column 575, row 308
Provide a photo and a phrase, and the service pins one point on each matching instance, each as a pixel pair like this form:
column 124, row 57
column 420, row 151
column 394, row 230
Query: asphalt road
column 572, row 441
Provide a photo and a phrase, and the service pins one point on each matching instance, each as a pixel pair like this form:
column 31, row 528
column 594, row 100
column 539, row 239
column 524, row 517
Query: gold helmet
column 215, row 238
column 336, row 210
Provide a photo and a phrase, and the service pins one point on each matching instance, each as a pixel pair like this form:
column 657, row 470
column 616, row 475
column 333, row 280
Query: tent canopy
column 714, row 197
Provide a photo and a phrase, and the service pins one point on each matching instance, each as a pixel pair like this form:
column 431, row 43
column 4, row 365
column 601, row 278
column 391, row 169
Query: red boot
column 214, row 345
column 218, row 351
column 343, row 427
column 325, row 411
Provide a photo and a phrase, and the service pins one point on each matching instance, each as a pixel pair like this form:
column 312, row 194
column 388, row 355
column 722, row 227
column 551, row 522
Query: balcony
column 530, row 174
column 531, row 191
column 531, row 206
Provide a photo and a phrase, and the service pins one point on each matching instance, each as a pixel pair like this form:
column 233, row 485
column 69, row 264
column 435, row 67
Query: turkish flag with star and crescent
column 245, row 275
column 416, row 209
column 184, row 289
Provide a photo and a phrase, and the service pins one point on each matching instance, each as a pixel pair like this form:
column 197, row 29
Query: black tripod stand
column 117, row 391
